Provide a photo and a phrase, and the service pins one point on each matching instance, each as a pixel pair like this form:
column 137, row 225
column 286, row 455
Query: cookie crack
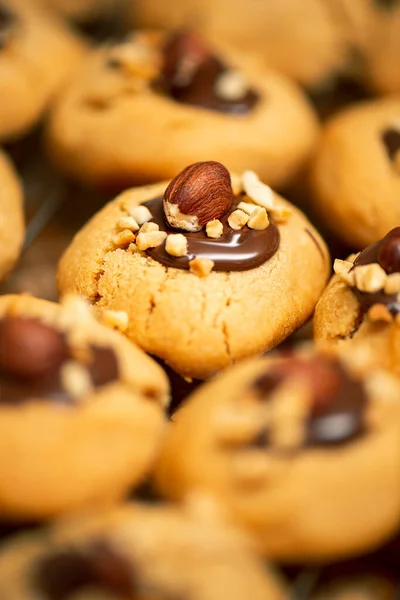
column 154, row 297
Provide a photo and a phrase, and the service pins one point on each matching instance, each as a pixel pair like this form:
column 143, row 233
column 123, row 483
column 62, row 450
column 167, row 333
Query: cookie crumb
column 75, row 379
column 123, row 238
column 128, row 223
column 370, row 278
column 255, row 189
column 117, row 319
column 238, row 219
column 214, row 229
column 231, row 85
column 149, row 226
column 259, row 219
column 141, row 214
column 150, row 239
column 380, row 312
column 201, row 267
column 342, row 268
column 176, row 244
column 392, row 285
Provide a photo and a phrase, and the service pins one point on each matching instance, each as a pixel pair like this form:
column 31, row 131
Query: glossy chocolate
column 31, row 357
column 234, row 251
column 386, row 253
column 339, row 402
column 391, row 141
column 61, row 575
column 190, row 73
column 7, row 23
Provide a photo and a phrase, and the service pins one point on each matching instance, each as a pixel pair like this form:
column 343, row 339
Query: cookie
column 278, row 441
column 11, row 216
column 137, row 551
column 248, row 273
column 358, row 314
column 141, row 110
column 81, row 409
column 83, row 10
column 305, row 39
column 355, row 178
column 37, row 54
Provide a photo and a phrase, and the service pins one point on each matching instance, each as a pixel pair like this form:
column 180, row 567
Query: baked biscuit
column 11, row 216
column 292, row 446
column 81, row 409
column 137, row 551
column 37, row 54
column 237, row 285
column 143, row 109
column 355, row 178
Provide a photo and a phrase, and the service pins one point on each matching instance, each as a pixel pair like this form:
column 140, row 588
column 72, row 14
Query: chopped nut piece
column 141, row 214
column 260, row 193
column 343, row 268
column 259, row 219
column 231, row 85
column 379, row 312
column 281, row 213
column 75, row 379
column 118, row 319
column 151, row 239
column 201, row 267
column 214, row 229
column 176, row 244
column 370, row 278
column 392, row 285
column 149, row 226
column 238, row 219
column 124, row 238
column 247, row 207
column 128, row 223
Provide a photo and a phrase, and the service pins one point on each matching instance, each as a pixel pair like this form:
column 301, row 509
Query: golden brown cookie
column 358, row 314
column 84, row 9
column 81, row 409
column 355, row 177
column 293, row 446
column 137, row 552
column 200, row 300
column 11, row 216
column 141, row 110
column 37, row 54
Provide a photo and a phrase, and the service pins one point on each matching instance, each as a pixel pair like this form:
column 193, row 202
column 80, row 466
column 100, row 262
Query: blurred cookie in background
column 11, row 216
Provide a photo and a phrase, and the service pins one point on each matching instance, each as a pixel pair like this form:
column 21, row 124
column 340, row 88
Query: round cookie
column 204, row 300
column 358, row 313
column 305, row 39
column 81, row 409
column 137, row 552
column 293, row 446
column 355, row 178
column 83, row 9
column 141, row 110
column 11, row 216
column 37, row 54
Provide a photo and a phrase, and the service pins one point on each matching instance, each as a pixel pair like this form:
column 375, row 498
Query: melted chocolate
column 7, row 24
column 391, row 141
column 31, row 357
column 376, row 254
column 190, row 74
column 60, row 575
column 234, row 251
column 339, row 402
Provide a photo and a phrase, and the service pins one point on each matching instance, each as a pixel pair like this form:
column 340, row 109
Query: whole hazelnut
column 200, row 193
column 389, row 252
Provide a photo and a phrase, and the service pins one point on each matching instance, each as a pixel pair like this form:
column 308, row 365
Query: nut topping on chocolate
column 199, row 194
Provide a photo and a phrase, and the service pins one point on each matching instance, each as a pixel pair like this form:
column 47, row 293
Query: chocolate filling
column 62, row 574
column 190, row 74
column 386, row 253
column 235, row 250
column 391, row 141
column 339, row 402
column 7, row 23
column 31, row 357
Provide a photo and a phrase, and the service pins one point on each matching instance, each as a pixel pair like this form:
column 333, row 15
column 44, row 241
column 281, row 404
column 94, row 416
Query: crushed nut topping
column 370, row 278
column 257, row 191
column 150, row 239
column 117, row 319
column 238, row 219
column 201, row 267
column 176, row 244
column 214, row 229
column 75, row 379
column 141, row 214
column 259, row 219
column 149, row 226
column 123, row 238
column 128, row 223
